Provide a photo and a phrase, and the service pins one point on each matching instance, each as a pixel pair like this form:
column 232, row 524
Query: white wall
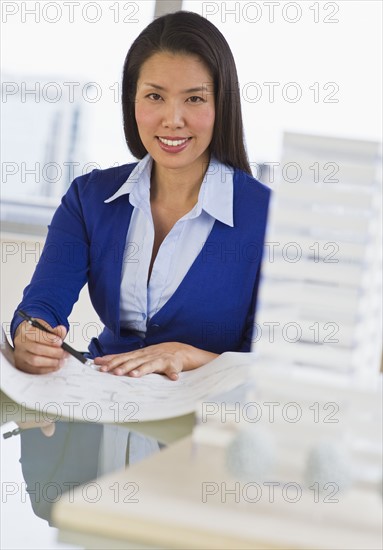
column 19, row 255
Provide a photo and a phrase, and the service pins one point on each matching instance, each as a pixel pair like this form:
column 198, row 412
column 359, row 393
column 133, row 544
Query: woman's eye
column 155, row 97
column 196, row 99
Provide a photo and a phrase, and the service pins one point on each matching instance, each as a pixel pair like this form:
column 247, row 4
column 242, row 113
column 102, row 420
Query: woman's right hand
column 36, row 351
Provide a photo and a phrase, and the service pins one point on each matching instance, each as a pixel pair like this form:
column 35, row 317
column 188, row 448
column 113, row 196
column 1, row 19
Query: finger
column 108, row 362
column 36, row 370
column 39, row 336
column 165, row 364
column 105, row 358
column 117, row 358
column 36, row 364
column 127, row 367
column 103, row 361
column 150, row 368
column 174, row 368
column 42, row 361
column 41, row 350
column 54, row 336
column 123, row 359
column 61, row 331
column 171, row 373
column 26, row 332
column 38, row 359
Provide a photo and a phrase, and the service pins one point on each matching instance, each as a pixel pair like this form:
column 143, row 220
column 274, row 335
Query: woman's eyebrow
column 202, row 88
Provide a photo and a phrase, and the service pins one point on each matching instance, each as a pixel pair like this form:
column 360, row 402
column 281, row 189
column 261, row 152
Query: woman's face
column 175, row 110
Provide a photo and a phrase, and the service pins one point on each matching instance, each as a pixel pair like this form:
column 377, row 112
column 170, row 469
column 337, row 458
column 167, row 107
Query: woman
column 170, row 246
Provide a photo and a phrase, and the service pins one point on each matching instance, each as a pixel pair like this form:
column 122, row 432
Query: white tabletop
column 159, row 503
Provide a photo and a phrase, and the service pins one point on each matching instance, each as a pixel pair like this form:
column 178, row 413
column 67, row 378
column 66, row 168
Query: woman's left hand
column 168, row 358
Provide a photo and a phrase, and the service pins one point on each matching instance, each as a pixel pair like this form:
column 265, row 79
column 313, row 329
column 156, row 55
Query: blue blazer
column 213, row 307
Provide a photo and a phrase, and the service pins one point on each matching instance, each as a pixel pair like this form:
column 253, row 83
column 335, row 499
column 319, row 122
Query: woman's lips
column 173, row 145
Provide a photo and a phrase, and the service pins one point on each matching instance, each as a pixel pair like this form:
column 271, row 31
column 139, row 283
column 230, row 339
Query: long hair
column 186, row 33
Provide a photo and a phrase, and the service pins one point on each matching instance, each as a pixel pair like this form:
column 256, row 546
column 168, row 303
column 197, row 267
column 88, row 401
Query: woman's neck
column 177, row 187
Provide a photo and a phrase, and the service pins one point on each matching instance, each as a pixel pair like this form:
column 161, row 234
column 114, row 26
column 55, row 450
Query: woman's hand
column 36, row 351
column 169, row 358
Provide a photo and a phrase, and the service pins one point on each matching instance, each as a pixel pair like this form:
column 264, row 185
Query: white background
column 345, row 50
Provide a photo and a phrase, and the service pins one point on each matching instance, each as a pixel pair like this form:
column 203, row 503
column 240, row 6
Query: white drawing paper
column 78, row 392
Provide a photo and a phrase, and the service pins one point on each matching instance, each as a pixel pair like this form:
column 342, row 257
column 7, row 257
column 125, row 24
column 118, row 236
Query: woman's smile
column 173, row 145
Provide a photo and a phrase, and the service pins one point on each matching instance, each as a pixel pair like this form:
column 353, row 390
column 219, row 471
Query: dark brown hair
column 188, row 33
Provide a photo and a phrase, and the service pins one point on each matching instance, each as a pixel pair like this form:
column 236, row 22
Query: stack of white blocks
column 313, row 417
column 320, row 299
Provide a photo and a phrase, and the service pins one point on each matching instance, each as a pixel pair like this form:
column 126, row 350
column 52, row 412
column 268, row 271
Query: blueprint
column 79, row 392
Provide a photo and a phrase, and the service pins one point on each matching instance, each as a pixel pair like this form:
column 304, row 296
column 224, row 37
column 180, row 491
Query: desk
column 165, row 431
column 170, row 512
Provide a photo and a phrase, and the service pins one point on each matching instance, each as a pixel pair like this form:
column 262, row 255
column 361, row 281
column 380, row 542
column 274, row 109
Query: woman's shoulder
column 248, row 186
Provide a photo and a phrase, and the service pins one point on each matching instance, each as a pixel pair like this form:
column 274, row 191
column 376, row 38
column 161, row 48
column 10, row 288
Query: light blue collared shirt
column 139, row 301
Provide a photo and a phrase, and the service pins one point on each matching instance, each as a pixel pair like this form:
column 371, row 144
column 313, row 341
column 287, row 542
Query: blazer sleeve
column 63, row 266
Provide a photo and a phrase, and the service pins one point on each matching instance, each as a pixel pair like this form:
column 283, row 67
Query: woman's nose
column 173, row 116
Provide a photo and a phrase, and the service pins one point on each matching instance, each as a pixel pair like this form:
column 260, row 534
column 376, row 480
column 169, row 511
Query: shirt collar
column 141, row 171
column 215, row 195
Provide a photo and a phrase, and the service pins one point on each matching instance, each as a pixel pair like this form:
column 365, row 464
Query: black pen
column 78, row 355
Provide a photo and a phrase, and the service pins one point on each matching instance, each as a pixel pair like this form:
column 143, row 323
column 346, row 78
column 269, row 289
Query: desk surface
column 166, row 431
column 159, row 503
